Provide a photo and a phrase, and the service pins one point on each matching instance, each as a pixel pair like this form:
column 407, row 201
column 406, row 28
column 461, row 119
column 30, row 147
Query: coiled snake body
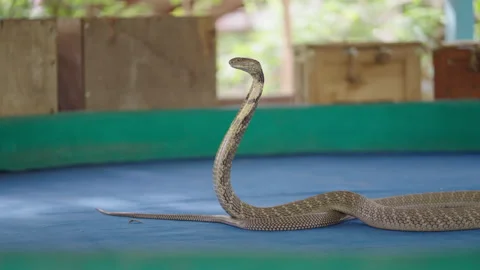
column 436, row 211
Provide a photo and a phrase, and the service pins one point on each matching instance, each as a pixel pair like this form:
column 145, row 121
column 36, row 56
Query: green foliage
column 15, row 8
column 70, row 8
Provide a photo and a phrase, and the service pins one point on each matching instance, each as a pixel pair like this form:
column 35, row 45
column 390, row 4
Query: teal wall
column 87, row 138
column 460, row 20
column 450, row 259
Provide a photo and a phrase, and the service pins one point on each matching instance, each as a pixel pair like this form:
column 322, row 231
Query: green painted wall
column 82, row 138
column 445, row 260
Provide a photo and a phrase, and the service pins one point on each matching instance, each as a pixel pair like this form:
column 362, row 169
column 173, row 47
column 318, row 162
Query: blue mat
column 55, row 209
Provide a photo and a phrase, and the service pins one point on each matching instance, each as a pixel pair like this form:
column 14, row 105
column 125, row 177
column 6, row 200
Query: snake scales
column 436, row 211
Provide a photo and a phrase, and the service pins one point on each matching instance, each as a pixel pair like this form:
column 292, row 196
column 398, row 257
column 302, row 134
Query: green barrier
column 469, row 260
column 89, row 138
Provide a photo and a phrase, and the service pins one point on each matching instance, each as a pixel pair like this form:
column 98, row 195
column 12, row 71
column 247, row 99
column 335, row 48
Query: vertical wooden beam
column 460, row 20
column 287, row 51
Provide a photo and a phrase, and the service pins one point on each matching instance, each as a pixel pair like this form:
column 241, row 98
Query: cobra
column 435, row 211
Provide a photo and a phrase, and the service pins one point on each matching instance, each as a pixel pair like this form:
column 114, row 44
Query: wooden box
column 28, row 67
column 457, row 71
column 149, row 63
column 357, row 73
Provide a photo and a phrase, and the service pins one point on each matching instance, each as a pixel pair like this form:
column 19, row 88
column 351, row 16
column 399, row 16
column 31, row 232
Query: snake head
column 248, row 65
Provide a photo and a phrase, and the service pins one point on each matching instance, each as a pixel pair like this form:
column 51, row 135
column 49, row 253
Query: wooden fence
column 102, row 64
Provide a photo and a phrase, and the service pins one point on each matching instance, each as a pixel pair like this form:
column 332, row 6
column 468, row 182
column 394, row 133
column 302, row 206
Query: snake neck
column 222, row 165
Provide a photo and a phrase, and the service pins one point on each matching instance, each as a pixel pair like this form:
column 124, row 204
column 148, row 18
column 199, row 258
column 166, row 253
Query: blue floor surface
column 55, row 209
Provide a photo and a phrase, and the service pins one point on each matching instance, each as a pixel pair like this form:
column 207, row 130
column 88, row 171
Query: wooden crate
column 149, row 63
column 357, row 73
column 28, row 67
column 457, row 71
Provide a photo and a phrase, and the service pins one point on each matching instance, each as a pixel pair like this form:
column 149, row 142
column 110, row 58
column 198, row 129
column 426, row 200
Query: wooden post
column 287, row 53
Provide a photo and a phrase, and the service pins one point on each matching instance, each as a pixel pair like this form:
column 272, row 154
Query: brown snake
column 436, row 211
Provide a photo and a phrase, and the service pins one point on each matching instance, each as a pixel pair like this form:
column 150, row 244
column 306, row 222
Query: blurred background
column 270, row 30
column 122, row 104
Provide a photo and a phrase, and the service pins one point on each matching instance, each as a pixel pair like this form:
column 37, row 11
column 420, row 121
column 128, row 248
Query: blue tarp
column 55, row 209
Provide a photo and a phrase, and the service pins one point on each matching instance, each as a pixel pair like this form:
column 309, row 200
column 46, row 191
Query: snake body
column 435, row 211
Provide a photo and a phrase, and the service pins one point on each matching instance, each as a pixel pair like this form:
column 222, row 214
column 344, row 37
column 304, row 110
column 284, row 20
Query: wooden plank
column 149, row 63
column 28, row 67
column 304, row 57
column 413, row 77
column 71, row 92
